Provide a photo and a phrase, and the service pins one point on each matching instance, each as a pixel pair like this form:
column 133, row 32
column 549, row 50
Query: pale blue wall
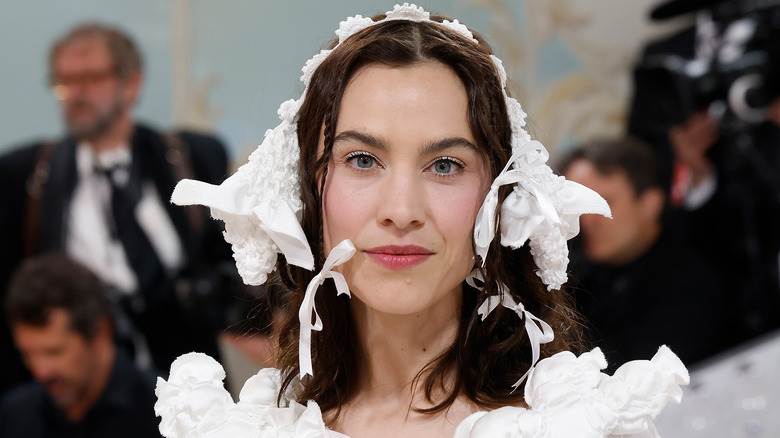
column 27, row 109
column 254, row 48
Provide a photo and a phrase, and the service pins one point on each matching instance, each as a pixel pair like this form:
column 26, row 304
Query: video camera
column 735, row 72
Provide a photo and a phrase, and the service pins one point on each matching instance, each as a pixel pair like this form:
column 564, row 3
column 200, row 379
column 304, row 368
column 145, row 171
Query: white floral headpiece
column 261, row 206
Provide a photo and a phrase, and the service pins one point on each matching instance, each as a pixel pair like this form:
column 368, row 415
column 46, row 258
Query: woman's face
column 405, row 183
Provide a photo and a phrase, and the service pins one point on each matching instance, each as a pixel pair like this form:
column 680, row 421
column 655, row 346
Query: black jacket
column 669, row 295
column 125, row 409
column 736, row 230
column 174, row 330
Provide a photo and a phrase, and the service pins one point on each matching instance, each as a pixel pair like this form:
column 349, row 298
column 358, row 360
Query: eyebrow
column 428, row 148
column 362, row 137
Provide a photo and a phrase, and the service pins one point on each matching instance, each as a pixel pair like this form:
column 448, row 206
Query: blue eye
column 446, row 167
column 442, row 166
column 361, row 160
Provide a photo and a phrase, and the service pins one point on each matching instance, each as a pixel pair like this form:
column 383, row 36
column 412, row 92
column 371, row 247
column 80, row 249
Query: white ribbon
column 282, row 226
column 276, row 218
column 338, row 255
column 539, row 332
column 485, row 225
column 528, row 207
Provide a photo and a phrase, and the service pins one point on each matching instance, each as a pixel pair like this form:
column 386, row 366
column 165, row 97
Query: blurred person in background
column 707, row 99
column 100, row 194
column 638, row 286
column 84, row 386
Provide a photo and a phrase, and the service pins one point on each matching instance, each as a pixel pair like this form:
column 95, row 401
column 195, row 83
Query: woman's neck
column 395, row 348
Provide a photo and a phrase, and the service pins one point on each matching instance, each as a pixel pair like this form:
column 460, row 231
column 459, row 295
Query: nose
column 403, row 201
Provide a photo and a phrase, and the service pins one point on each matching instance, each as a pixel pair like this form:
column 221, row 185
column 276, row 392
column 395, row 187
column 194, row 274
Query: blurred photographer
column 630, row 272
column 85, row 386
column 100, row 194
column 707, row 98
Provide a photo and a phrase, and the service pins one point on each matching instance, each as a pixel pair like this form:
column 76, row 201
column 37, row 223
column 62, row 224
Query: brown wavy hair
column 487, row 357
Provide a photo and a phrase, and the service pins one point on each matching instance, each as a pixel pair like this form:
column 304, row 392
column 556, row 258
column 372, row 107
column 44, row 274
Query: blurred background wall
column 226, row 66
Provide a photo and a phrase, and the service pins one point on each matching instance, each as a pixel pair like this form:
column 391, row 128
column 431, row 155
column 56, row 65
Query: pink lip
column 399, row 257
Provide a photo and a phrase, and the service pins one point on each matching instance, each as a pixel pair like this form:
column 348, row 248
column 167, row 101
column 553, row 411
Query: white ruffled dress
column 568, row 396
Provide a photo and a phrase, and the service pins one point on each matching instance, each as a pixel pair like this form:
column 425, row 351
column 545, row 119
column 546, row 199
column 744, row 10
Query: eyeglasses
column 61, row 83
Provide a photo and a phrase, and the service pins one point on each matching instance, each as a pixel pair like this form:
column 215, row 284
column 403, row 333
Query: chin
column 395, row 296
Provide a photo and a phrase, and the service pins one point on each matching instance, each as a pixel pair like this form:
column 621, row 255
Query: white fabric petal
column 640, row 389
column 567, row 396
column 576, row 200
column 459, row 28
column 311, row 425
column 261, row 389
column 351, row 26
column 193, row 390
column 521, row 216
column 409, row 12
column 281, row 225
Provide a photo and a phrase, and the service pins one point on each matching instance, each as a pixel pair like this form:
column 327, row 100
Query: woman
column 386, row 176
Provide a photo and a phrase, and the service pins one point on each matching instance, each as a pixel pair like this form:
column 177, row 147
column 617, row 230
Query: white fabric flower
column 531, row 156
column 193, row 403
column 409, row 12
column 351, row 26
column 253, row 250
column 543, row 209
column 551, row 255
column 262, row 388
column 516, row 113
column 556, row 379
column 459, row 27
column 568, row 396
column 308, row 69
column 640, row 389
column 193, row 390
column 288, row 110
column 499, row 66
column 510, row 422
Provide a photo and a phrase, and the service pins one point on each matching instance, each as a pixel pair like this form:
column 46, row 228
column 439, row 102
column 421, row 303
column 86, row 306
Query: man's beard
column 75, row 392
column 97, row 127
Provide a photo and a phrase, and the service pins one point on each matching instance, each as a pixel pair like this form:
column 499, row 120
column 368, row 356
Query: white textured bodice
column 568, row 396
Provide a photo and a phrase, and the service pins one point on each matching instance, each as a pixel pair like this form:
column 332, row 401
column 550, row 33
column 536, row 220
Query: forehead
column 57, row 328
column 88, row 52
column 413, row 103
column 584, row 172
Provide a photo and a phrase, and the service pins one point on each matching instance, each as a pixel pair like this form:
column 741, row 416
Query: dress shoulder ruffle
column 567, row 396
column 194, row 403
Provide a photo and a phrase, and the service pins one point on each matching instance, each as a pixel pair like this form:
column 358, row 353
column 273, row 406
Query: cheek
column 454, row 210
column 617, row 231
column 348, row 208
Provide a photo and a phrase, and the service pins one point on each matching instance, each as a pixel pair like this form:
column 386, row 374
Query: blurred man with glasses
column 101, row 195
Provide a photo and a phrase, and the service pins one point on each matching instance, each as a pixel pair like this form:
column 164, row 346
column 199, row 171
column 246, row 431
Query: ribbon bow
column 338, row 255
column 539, row 332
column 277, row 219
column 485, row 226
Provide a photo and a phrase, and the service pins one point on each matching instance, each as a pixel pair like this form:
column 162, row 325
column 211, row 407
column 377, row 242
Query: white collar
column 87, row 159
